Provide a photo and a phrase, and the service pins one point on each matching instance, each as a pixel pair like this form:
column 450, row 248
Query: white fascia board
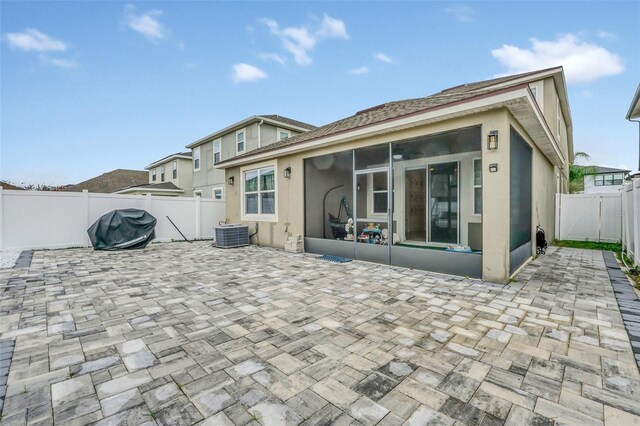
column 166, row 160
column 484, row 102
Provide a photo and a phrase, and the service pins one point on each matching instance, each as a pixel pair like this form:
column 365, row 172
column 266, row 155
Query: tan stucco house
column 240, row 138
column 170, row 176
column 455, row 182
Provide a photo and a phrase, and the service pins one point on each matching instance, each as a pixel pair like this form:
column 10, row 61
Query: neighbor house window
column 609, row 179
column 477, row 186
column 217, row 151
column 240, row 142
column 161, row 173
column 283, row 134
column 380, row 193
column 217, row 193
column 175, row 169
column 153, row 175
column 260, row 192
column 196, row 159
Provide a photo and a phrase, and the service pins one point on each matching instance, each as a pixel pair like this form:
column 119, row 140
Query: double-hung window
column 240, row 142
column 217, row 151
column 153, row 175
column 477, row 186
column 175, row 169
column 260, row 191
column 196, row 159
column 161, row 173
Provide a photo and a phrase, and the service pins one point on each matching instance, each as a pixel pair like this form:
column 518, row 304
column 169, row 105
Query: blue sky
column 88, row 87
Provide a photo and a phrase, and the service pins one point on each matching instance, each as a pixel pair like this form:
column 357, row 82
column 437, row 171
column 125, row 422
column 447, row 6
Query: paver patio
column 185, row 333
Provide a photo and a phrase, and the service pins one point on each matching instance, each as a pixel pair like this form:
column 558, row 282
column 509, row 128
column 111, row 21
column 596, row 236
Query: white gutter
column 259, row 138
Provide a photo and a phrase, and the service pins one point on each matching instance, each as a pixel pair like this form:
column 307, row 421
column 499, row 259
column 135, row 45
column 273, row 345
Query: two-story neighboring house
column 169, row 176
column 604, row 179
column 239, row 138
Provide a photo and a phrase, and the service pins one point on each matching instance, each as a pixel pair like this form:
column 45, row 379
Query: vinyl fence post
column 558, row 213
column 1, row 219
column 85, row 215
column 634, row 218
column 198, row 218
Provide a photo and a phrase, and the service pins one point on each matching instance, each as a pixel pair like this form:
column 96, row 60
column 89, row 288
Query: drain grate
column 334, row 259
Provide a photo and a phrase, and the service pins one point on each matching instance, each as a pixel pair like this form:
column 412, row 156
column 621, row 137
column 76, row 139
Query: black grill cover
column 122, row 229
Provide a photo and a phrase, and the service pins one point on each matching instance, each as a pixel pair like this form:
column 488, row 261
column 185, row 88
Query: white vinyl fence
column 631, row 220
column 589, row 217
column 37, row 219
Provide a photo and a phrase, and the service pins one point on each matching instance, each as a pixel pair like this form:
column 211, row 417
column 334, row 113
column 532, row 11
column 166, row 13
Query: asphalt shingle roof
column 392, row 110
column 112, row 181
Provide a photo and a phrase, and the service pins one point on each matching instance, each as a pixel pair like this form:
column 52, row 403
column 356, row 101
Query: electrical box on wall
column 493, row 167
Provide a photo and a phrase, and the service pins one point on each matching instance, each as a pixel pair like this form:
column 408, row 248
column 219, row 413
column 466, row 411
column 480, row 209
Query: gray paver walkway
column 187, row 334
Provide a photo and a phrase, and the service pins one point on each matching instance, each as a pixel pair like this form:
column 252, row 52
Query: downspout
column 259, row 140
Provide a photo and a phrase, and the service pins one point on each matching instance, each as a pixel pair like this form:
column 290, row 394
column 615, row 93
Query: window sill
column 259, row 217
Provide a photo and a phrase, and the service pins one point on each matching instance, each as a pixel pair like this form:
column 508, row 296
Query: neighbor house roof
column 276, row 120
column 186, row 155
column 597, row 170
column 390, row 111
column 634, row 109
column 111, row 181
column 159, row 187
column 7, row 185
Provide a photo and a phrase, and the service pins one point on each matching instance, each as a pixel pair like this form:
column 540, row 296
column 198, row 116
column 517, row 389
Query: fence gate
column 589, row 217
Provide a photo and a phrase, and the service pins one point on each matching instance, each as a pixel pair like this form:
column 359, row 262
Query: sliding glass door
column 443, row 203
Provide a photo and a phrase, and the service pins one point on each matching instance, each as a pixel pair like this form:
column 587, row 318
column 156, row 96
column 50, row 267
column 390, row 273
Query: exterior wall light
column 492, row 140
column 230, row 181
column 287, row 173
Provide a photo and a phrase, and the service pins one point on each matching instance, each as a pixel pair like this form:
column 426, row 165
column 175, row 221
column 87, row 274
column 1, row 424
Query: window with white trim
column 153, row 175
column 175, row 169
column 260, row 191
column 477, row 186
column 217, row 151
column 240, row 141
column 196, row 159
column 161, row 173
column 283, row 134
column 217, row 193
column 534, row 91
column 609, row 179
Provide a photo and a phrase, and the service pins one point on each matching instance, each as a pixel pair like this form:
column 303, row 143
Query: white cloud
column 245, row 73
column 266, row 56
column 191, row 65
column 587, row 93
column 332, row 28
column 33, row 40
column 462, row 13
column 383, row 58
column 67, row 64
column 300, row 41
column 359, row 71
column 582, row 61
column 606, row 35
column 146, row 24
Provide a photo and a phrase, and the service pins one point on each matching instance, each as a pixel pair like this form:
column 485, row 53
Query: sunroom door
column 443, row 202
column 372, row 215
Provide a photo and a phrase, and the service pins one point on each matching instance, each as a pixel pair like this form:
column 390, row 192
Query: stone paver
column 187, row 334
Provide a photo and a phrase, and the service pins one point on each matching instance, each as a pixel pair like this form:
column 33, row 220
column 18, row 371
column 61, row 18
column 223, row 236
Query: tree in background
column 577, row 172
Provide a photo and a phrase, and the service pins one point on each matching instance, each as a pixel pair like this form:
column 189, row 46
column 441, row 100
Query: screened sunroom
column 415, row 203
